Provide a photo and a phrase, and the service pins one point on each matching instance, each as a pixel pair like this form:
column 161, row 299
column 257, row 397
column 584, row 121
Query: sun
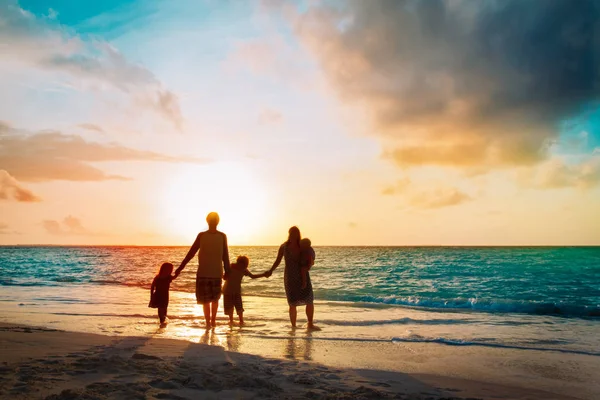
column 230, row 189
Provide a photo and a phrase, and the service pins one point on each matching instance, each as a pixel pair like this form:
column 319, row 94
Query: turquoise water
column 561, row 281
column 522, row 299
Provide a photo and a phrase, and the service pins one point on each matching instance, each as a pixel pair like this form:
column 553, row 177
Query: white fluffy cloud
column 40, row 43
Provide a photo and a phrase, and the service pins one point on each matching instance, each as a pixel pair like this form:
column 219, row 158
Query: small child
column 307, row 259
column 159, row 291
column 232, row 289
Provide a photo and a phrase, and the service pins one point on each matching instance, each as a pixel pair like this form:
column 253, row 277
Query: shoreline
column 48, row 363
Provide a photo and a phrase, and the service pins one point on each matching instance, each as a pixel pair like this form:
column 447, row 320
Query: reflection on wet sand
column 210, row 337
column 298, row 347
column 234, row 341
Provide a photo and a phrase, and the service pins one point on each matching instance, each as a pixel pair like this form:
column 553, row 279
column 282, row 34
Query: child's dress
column 160, row 297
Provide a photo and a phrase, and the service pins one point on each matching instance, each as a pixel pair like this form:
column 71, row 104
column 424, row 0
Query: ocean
column 530, row 298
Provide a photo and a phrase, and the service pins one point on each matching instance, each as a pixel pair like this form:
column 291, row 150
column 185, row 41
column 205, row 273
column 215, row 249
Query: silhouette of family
column 214, row 267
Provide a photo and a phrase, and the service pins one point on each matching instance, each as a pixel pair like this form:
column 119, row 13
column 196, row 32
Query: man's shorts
column 233, row 300
column 208, row 290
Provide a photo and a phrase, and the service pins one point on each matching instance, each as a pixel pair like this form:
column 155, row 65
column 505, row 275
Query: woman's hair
column 294, row 231
column 166, row 269
column 243, row 261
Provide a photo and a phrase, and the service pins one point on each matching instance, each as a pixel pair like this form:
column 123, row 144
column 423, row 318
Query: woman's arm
column 153, row 287
column 191, row 253
column 251, row 275
column 276, row 263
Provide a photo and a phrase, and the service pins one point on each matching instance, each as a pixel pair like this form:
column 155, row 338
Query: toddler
column 159, row 291
column 307, row 259
column 232, row 290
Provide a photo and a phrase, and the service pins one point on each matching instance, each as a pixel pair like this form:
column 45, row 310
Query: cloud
column 11, row 189
column 467, row 83
column 557, row 174
column 273, row 58
column 399, row 187
column 43, row 44
column 92, row 127
column 426, row 196
column 438, row 198
column 269, row 116
column 51, row 155
column 5, row 229
column 69, row 226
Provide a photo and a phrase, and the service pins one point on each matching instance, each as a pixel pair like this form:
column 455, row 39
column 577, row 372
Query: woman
column 292, row 278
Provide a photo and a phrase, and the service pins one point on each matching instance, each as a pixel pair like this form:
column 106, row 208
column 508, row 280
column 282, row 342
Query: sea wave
column 481, row 305
column 562, row 309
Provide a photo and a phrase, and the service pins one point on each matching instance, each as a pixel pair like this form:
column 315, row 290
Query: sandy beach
column 40, row 363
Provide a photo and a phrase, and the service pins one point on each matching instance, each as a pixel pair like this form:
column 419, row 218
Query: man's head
column 212, row 219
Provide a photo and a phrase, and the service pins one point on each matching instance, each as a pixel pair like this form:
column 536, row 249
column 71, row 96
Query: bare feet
column 312, row 327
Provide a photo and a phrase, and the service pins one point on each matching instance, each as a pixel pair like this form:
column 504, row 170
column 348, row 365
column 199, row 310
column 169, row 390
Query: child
column 307, row 259
column 232, row 290
column 159, row 291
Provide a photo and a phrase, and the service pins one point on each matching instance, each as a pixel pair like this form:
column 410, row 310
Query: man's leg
column 206, row 308
column 293, row 314
column 215, row 308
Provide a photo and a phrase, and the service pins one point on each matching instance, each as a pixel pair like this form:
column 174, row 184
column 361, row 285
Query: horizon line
column 324, row 245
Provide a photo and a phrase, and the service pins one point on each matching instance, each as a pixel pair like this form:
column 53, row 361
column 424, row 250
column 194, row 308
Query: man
column 213, row 257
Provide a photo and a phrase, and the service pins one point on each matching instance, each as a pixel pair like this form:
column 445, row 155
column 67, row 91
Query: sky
column 458, row 122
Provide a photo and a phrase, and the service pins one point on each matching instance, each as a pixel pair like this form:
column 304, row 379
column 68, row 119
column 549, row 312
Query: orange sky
column 126, row 123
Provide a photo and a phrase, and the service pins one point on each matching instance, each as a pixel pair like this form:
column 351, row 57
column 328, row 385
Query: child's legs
column 304, row 274
column 228, row 307
column 162, row 314
column 239, row 308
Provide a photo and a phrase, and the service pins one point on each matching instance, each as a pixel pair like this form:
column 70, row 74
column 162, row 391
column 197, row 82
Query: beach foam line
column 560, row 309
column 328, row 322
column 447, row 342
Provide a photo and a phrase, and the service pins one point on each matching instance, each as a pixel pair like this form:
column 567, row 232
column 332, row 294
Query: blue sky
column 417, row 123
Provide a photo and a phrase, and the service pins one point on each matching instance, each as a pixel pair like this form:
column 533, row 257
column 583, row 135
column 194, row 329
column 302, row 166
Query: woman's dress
column 292, row 278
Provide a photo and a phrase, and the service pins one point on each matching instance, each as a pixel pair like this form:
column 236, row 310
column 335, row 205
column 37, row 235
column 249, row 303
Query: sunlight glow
column 227, row 188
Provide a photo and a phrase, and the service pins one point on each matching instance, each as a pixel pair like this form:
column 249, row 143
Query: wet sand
column 42, row 363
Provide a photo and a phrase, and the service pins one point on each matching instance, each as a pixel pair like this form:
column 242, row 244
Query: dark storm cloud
column 464, row 83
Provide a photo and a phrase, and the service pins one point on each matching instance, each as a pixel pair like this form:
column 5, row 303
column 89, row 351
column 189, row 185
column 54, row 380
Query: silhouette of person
column 297, row 294
column 213, row 258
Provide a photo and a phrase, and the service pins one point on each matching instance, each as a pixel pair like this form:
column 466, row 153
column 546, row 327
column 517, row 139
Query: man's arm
column 191, row 253
column 226, row 265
